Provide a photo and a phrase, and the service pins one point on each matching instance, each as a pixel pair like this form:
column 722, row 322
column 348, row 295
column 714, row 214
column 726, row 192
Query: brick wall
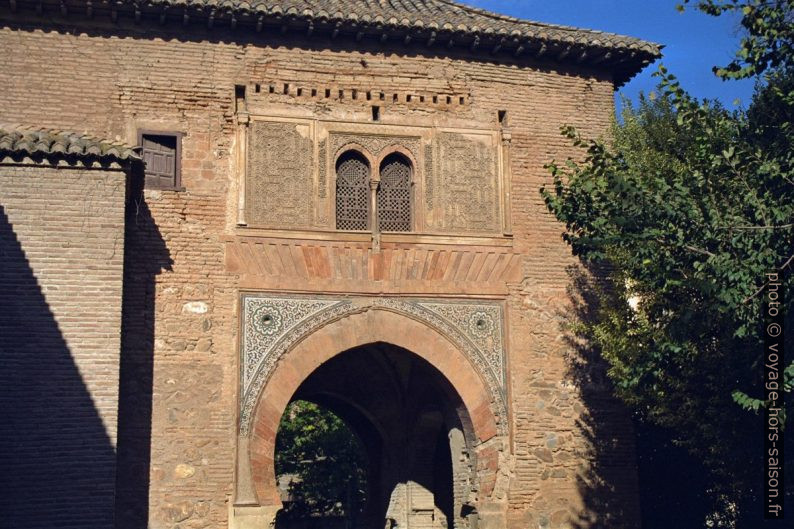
column 180, row 317
column 61, row 255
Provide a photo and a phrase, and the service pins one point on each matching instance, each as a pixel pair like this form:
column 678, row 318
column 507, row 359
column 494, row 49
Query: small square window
column 161, row 153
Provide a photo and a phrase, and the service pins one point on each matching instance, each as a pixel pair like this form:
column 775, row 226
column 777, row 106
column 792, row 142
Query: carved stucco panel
column 429, row 177
column 482, row 324
column 273, row 324
column 468, row 187
column 268, row 321
column 322, row 169
column 323, row 204
column 279, row 174
column 374, row 143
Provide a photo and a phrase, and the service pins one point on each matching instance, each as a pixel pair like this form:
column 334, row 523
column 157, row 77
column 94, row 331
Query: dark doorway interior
column 410, row 429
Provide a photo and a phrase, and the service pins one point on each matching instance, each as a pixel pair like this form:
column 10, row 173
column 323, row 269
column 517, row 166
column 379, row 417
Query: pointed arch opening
column 395, row 194
column 352, row 192
column 447, row 402
column 416, row 466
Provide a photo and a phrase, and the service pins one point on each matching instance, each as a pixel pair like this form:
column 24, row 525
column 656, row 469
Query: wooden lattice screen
column 352, row 192
column 394, row 195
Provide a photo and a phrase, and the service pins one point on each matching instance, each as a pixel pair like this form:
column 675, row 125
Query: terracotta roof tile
column 444, row 14
column 428, row 23
column 17, row 139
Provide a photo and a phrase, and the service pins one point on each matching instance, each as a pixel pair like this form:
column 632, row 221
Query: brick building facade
column 61, row 257
column 339, row 202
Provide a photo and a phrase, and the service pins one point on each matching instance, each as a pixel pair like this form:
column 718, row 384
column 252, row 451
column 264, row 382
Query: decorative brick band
column 273, row 324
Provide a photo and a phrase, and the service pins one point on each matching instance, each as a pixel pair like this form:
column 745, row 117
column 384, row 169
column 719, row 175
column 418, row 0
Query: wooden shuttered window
column 161, row 152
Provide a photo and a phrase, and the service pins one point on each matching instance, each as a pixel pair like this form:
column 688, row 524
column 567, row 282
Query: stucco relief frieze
column 279, row 174
column 322, row 204
column 430, row 177
column 322, row 170
column 468, row 182
column 482, row 324
column 273, row 324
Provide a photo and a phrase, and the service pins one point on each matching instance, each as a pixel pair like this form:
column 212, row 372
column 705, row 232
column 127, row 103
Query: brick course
column 61, row 256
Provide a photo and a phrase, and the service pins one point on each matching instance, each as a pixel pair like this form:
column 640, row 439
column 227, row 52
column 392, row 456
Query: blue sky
column 694, row 42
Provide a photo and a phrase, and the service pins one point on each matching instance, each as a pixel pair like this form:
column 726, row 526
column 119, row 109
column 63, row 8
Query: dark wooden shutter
column 160, row 159
column 394, row 195
column 352, row 192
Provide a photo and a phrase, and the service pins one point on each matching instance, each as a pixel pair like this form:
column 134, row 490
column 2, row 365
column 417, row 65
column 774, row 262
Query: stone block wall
column 61, row 257
column 187, row 263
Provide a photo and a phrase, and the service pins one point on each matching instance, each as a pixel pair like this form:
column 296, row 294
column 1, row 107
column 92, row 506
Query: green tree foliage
column 686, row 208
column 769, row 34
column 325, row 461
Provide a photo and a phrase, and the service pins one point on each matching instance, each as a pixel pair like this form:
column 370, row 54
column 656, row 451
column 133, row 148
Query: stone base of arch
column 491, row 515
column 287, row 338
column 252, row 516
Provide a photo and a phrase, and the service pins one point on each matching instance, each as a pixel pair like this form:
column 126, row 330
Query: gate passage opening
column 375, row 437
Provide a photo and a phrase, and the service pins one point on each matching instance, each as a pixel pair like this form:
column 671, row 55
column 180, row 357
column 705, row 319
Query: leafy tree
column 685, row 209
column 769, row 33
column 323, row 461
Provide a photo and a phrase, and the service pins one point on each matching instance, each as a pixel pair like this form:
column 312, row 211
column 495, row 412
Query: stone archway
column 407, row 418
column 295, row 351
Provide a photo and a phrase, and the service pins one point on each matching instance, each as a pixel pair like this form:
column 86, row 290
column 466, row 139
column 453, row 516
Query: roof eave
column 623, row 62
column 18, row 142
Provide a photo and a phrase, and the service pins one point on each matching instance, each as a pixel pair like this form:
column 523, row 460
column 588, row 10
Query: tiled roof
column 443, row 15
column 30, row 141
column 435, row 24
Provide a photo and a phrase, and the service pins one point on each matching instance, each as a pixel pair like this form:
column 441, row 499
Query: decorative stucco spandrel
column 279, row 174
column 482, row 324
column 468, row 189
column 273, row 324
column 374, row 143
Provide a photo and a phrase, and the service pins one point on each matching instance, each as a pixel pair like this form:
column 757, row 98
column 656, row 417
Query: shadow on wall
column 637, row 478
column 57, row 463
column 145, row 257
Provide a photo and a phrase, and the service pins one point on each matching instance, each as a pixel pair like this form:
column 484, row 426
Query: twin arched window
column 393, row 196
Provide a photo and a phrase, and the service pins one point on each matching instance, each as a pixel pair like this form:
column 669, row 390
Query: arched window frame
column 405, row 156
column 353, row 151
column 374, row 164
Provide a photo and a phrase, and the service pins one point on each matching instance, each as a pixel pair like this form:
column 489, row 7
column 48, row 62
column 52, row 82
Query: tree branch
column 780, row 227
column 748, row 298
column 698, row 250
column 688, row 247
